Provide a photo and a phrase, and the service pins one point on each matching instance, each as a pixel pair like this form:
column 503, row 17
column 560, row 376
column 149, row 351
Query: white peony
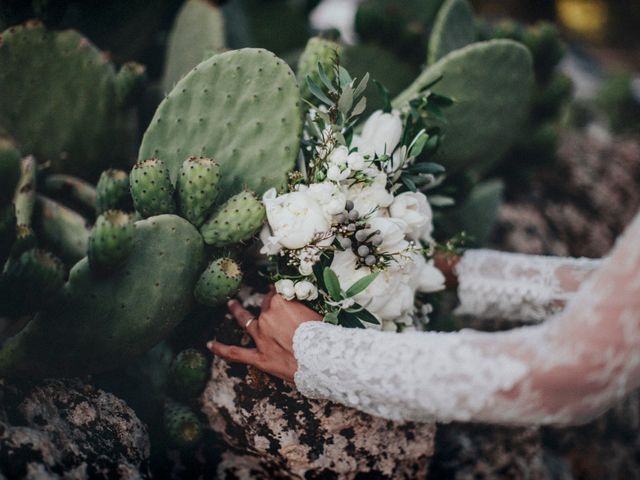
column 306, row 267
column 306, row 290
column 414, row 209
column 286, row 288
column 294, row 218
column 389, row 297
column 329, row 196
column 372, row 197
column 356, row 161
column 393, row 234
column 381, row 134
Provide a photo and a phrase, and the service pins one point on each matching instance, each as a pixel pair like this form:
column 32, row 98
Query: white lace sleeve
column 565, row 370
column 513, row 286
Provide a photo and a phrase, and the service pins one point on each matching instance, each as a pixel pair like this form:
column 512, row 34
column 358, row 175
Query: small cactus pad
column 318, row 50
column 129, row 82
column 110, row 242
column 105, row 322
column 219, row 282
column 197, row 33
column 454, row 28
column 182, row 426
column 241, row 108
column 235, row 221
column 33, row 279
column 188, row 374
column 151, row 188
column 59, row 99
column 197, row 188
column 25, row 195
column 112, row 191
column 64, row 230
column 491, row 84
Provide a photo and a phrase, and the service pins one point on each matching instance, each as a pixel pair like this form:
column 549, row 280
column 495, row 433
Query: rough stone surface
column 277, row 433
column 65, row 429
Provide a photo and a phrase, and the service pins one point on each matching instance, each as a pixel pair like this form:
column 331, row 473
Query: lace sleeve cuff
column 518, row 287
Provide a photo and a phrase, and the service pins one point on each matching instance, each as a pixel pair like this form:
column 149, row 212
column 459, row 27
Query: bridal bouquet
column 352, row 236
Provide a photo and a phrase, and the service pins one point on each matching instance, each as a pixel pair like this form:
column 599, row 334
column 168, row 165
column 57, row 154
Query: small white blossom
column 286, row 288
column 306, row 290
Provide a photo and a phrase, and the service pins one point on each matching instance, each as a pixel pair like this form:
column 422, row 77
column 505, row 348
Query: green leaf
column 418, row 144
column 361, row 284
column 343, row 76
column 410, row 184
column 346, row 100
column 384, row 93
column 427, row 167
column 366, row 316
column 331, row 317
column 325, row 78
column 441, row 100
column 317, row 91
column 349, row 320
column 362, row 85
column 332, row 283
column 360, row 107
column 441, row 201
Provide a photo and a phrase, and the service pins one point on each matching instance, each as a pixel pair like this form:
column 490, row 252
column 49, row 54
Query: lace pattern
column 566, row 370
column 513, row 286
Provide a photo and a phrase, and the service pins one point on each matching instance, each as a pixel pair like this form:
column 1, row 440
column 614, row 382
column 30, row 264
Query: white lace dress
column 568, row 369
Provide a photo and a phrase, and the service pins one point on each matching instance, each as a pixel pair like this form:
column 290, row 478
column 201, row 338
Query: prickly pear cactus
column 151, row 188
column 491, row 84
column 317, row 50
column 59, row 99
column 63, row 229
column 197, row 33
column 453, row 29
column 101, row 323
column 241, row 108
column 235, row 221
column 110, row 242
column 218, row 282
column 112, row 191
column 188, row 374
column 9, row 169
column 197, row 188
column 181, row 424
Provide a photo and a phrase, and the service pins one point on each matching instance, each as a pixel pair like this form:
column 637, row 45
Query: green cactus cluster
column 151, row 188
column 112, row 191
column 218, row 282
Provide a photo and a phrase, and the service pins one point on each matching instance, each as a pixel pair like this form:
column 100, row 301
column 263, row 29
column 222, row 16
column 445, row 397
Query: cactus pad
column 491, row 84
column 454, row 28
column 151, row 188
column 112, row 191
column 102, row 323
column 218, row 282
column 197, row 188
column 198, row 32
column 241, row 108
column 188, row 374
column 181, row 424
column 235, row 221
column 64, row 230
column 68, row 115
column 110, row 242
column 9, row 169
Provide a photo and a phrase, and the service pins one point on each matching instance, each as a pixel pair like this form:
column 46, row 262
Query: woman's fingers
column 266, row 301
column 231, row 353
column 246, row 320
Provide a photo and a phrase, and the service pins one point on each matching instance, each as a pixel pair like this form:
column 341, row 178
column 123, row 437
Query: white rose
column 306, row 290
column 393, row 234
column 336, row 174
column 356, row 161
column 294, row 218
column 381, row 134
column 270, row 245
column 372, row 197
column 285, row 288
column 414, row 209
column 426, row 277
column 339, row 156
column 306, row 267
column 329, row 196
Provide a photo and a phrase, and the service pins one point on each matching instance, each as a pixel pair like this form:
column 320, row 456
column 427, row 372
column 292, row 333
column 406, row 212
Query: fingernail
column 209, row 345
column 231, row 302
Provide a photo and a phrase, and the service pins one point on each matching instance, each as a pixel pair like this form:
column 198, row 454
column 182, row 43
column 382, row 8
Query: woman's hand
column 272, row 332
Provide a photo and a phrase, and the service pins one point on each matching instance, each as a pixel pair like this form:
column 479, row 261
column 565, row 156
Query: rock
column 275, row 432
column 65, row 429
